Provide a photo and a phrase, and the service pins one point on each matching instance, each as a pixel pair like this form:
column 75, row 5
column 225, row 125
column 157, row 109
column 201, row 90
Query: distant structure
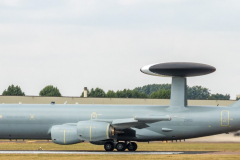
column 238, row 96
column 85, row 92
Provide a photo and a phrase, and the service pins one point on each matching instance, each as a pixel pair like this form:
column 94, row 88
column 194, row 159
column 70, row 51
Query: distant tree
column 13, row 91
column 122, row 94
column 144, row 95
column 50, row 91
column 219, row 97
column 197, row 92
column 98, row 92
column 162, row 91
column 111, row 94
column 136, row 94
column 161, row 94
column 127, row 93
column 148, row 89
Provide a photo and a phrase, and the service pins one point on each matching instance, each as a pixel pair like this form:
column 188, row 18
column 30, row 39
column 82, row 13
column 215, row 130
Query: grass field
column 181, row 146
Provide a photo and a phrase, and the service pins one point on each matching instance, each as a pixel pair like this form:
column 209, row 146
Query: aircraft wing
column 136, row 122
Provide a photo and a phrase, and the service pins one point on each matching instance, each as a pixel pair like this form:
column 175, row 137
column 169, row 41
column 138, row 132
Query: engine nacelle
column 65, row 134
column 94, row 131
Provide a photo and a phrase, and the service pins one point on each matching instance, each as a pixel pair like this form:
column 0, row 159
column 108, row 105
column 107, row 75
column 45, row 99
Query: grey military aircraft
column 120, row 126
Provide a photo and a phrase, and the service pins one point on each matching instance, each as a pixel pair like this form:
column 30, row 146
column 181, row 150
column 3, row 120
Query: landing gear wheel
column 132, row 146
column 121, row 146
column 109, row 146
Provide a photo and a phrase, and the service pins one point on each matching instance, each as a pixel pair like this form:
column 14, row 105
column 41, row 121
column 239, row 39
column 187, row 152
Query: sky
column 72, row 44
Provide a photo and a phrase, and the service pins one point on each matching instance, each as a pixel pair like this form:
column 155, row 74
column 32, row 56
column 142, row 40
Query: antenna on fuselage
column 178, row 71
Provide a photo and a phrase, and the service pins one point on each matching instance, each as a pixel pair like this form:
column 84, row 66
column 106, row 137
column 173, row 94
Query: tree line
column 126, row 93
column 46, row 91
column 159, row 91
column 163, row 91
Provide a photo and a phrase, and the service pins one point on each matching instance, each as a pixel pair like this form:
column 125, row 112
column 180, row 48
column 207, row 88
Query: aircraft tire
column 121, row 146
column 109, row 146
column 132, row 146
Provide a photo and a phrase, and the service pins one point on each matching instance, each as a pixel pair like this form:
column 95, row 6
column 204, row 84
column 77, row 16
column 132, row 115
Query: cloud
column 127, row 2
column 185, row 15
column 9, row 2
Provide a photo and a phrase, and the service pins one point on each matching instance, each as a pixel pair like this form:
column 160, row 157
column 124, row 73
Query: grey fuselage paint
column 34, row 121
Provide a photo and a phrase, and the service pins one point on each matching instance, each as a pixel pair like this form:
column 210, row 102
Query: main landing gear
column 132, row 146
column 109, row 146
column 120, row 146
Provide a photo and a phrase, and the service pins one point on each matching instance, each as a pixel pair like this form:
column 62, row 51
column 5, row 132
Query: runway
column 102, row 152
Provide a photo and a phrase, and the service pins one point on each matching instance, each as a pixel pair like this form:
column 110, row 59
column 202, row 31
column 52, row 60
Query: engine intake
column 65, row 134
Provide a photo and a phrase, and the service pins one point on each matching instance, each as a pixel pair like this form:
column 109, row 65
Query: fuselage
column 31, row 121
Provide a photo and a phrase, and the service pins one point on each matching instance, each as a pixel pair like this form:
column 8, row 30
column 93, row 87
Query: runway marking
column 31, row 141
column 83, row 152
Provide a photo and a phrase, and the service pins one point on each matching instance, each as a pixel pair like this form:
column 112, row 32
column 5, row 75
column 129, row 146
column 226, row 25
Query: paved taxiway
column 103, row 152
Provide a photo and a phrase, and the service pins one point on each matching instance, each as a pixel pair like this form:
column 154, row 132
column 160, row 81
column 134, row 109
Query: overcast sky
column 73, row 44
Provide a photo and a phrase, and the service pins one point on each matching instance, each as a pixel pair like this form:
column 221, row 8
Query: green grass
column 180, row 146
column 31, row 145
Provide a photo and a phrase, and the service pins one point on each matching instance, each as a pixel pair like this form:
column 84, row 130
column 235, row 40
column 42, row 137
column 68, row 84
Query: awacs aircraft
column 117, row 126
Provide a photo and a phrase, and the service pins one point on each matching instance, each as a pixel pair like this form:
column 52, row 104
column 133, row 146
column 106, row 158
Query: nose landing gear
column 120, row 146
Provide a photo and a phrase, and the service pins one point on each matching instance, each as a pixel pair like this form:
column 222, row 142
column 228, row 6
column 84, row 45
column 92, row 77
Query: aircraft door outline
column 225, row 118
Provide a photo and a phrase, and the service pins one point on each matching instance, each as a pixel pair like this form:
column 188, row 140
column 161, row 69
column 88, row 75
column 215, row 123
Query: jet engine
column 65, row 134
column 94, row 131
